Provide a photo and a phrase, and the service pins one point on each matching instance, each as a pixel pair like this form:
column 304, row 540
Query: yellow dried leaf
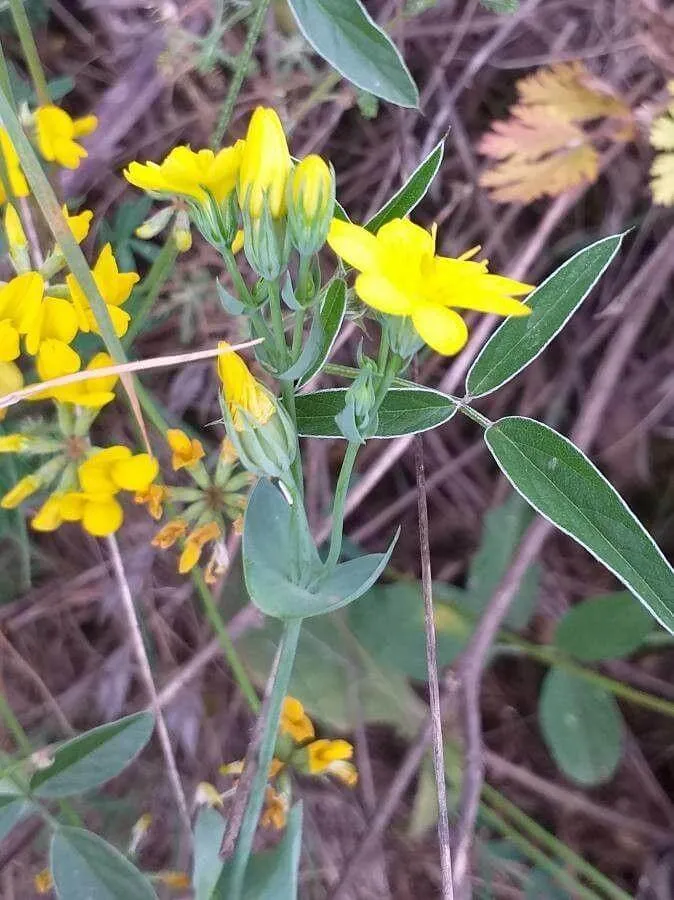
column 662, row 170
column 543, row 148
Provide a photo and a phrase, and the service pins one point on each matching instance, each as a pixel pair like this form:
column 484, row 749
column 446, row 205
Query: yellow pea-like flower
column 295, row 722
column 242, row 392
column 311, row 187
column 115, row 288
column 265, row 165
column 194, row 545
column 56, row 133
column 186, row 451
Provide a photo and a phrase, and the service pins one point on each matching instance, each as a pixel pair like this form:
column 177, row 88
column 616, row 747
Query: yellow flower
column 43, row 882
column 243, row 393
column 275, row 809
column 295, row 722
column 400, row 275
column 115, row 288
column 100, row 513
column 195, row 543
column 238, row 242
column 190, row 173
column 11, row 379
column 13, row 443
column 79, row 223
column 49, row 516
column 55, row 359
column 331, row 757
column 117, row 469
column 20, row 301
column 153, row 498
column 173, row 879
column 265, row 165
column 55, row 319
column 20, row 492
column 16, row 236
column 56, row 133
column 207, row 794
column 17, row 181
column 186, row 451
column 311, row 187
column 169, row 534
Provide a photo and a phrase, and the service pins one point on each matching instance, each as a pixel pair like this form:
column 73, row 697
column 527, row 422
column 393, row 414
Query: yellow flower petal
column 20, row 492
column 186, row 451
column 265, row 164
column 135, row 473
column 95, row 473
column 382, row 294
column 10, row 341
column 49, row 517
column 102, row 516
column 354, row 244
column 242, row 391
column 441, row 328
column 321, row 753
column 295, row 722
column 169, row 534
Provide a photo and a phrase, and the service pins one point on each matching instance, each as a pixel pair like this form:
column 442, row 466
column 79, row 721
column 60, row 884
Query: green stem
column 160, row 271
column 341, row 490
column 551, row 657
column 242, row 63
column 30, row 53
column 236, row 276
column 535, row 855
column 273, row 704
column 5, row 83
column 288, row 394
column 552, row 844
column 298, row 331
column 226, row 643
column 277, row 321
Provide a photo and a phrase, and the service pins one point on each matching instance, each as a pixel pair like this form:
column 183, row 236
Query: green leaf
column 564, row 486
column 607, row 627
column 343, row 33
column 273, row 874
column 505, row 7
column 284, row 575
column 84, row 867
column 12, row 811
column 209, row 829
column 412, row 192
column 331, row 668
column 327, row 324
column 94, row 757
column 503, row 527
column 520, row 339
column 389, row 623
column 540, row 884
column 404, row 411
column 582, row 726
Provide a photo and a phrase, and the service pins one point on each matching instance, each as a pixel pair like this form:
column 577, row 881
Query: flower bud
column 155, row 224
column 181, row 231
column 265, row 165
column 311, row 201
column 217, row 220
column 357, row 421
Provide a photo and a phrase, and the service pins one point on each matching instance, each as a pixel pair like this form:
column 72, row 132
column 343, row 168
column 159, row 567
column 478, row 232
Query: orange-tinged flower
column 195, row 543
column 169, row 534
column 243, row 393
column 56, row 133
column 43, row 882
column 154, row 498
column 332, row 757
column 295, row 722
column 186, row 451
column 173, row 879
column 275, row 810
column 115, row 288
column 400, row 275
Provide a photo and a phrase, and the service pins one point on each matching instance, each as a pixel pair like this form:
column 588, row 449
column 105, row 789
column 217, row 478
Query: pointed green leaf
column 343, row 33
column 607, row 627
column 85, row 867
column 403, row 411
column 520, row 339
column 582, row 726
column 412, row 192
column 12, row 811
column 328, row 323
column 209, row 829
column 564, row 486
column 94, row 757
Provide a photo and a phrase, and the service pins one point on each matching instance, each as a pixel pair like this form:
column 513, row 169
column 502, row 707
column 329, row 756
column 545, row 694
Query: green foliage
column 120, row 232
column 403, row 411
column 84, row 867
column 412, row 192
column 209, row 829
column 505, row 7
column 273, row 874
column 12, row 810
column 607, row 627
column 343, row 33
column 582, row 727
column 325, row 327
column 332, row 667
column 94, row 757
column 518, row 341
column 562, row 484
column 284, row 575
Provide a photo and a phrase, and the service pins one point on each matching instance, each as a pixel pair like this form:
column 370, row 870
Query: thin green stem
column 537, row 856
column 29, row 49
column 298, row 331
column 5, row 83
column 341, row 490
column 288, row 394
column 539, row 834
column 149, row 290
column 551, row 657
column 242, row 63
column 235, row 275
column 226, row 643
column 280, row 679
column 14, row 726
column 277, row 321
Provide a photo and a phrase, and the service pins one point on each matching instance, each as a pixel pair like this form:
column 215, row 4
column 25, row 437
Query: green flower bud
column 311, row 201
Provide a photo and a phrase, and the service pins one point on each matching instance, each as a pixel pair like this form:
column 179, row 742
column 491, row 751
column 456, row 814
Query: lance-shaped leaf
column 343, row 33
column 284, row 575
column 412, row 192
column 561, row 483
column 403, row 411
column 519, row 340
column 94, row 757
column 322, row 335
column 84, row 866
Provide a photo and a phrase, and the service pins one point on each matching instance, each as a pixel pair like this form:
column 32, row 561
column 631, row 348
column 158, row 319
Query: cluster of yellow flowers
column 298, row 749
